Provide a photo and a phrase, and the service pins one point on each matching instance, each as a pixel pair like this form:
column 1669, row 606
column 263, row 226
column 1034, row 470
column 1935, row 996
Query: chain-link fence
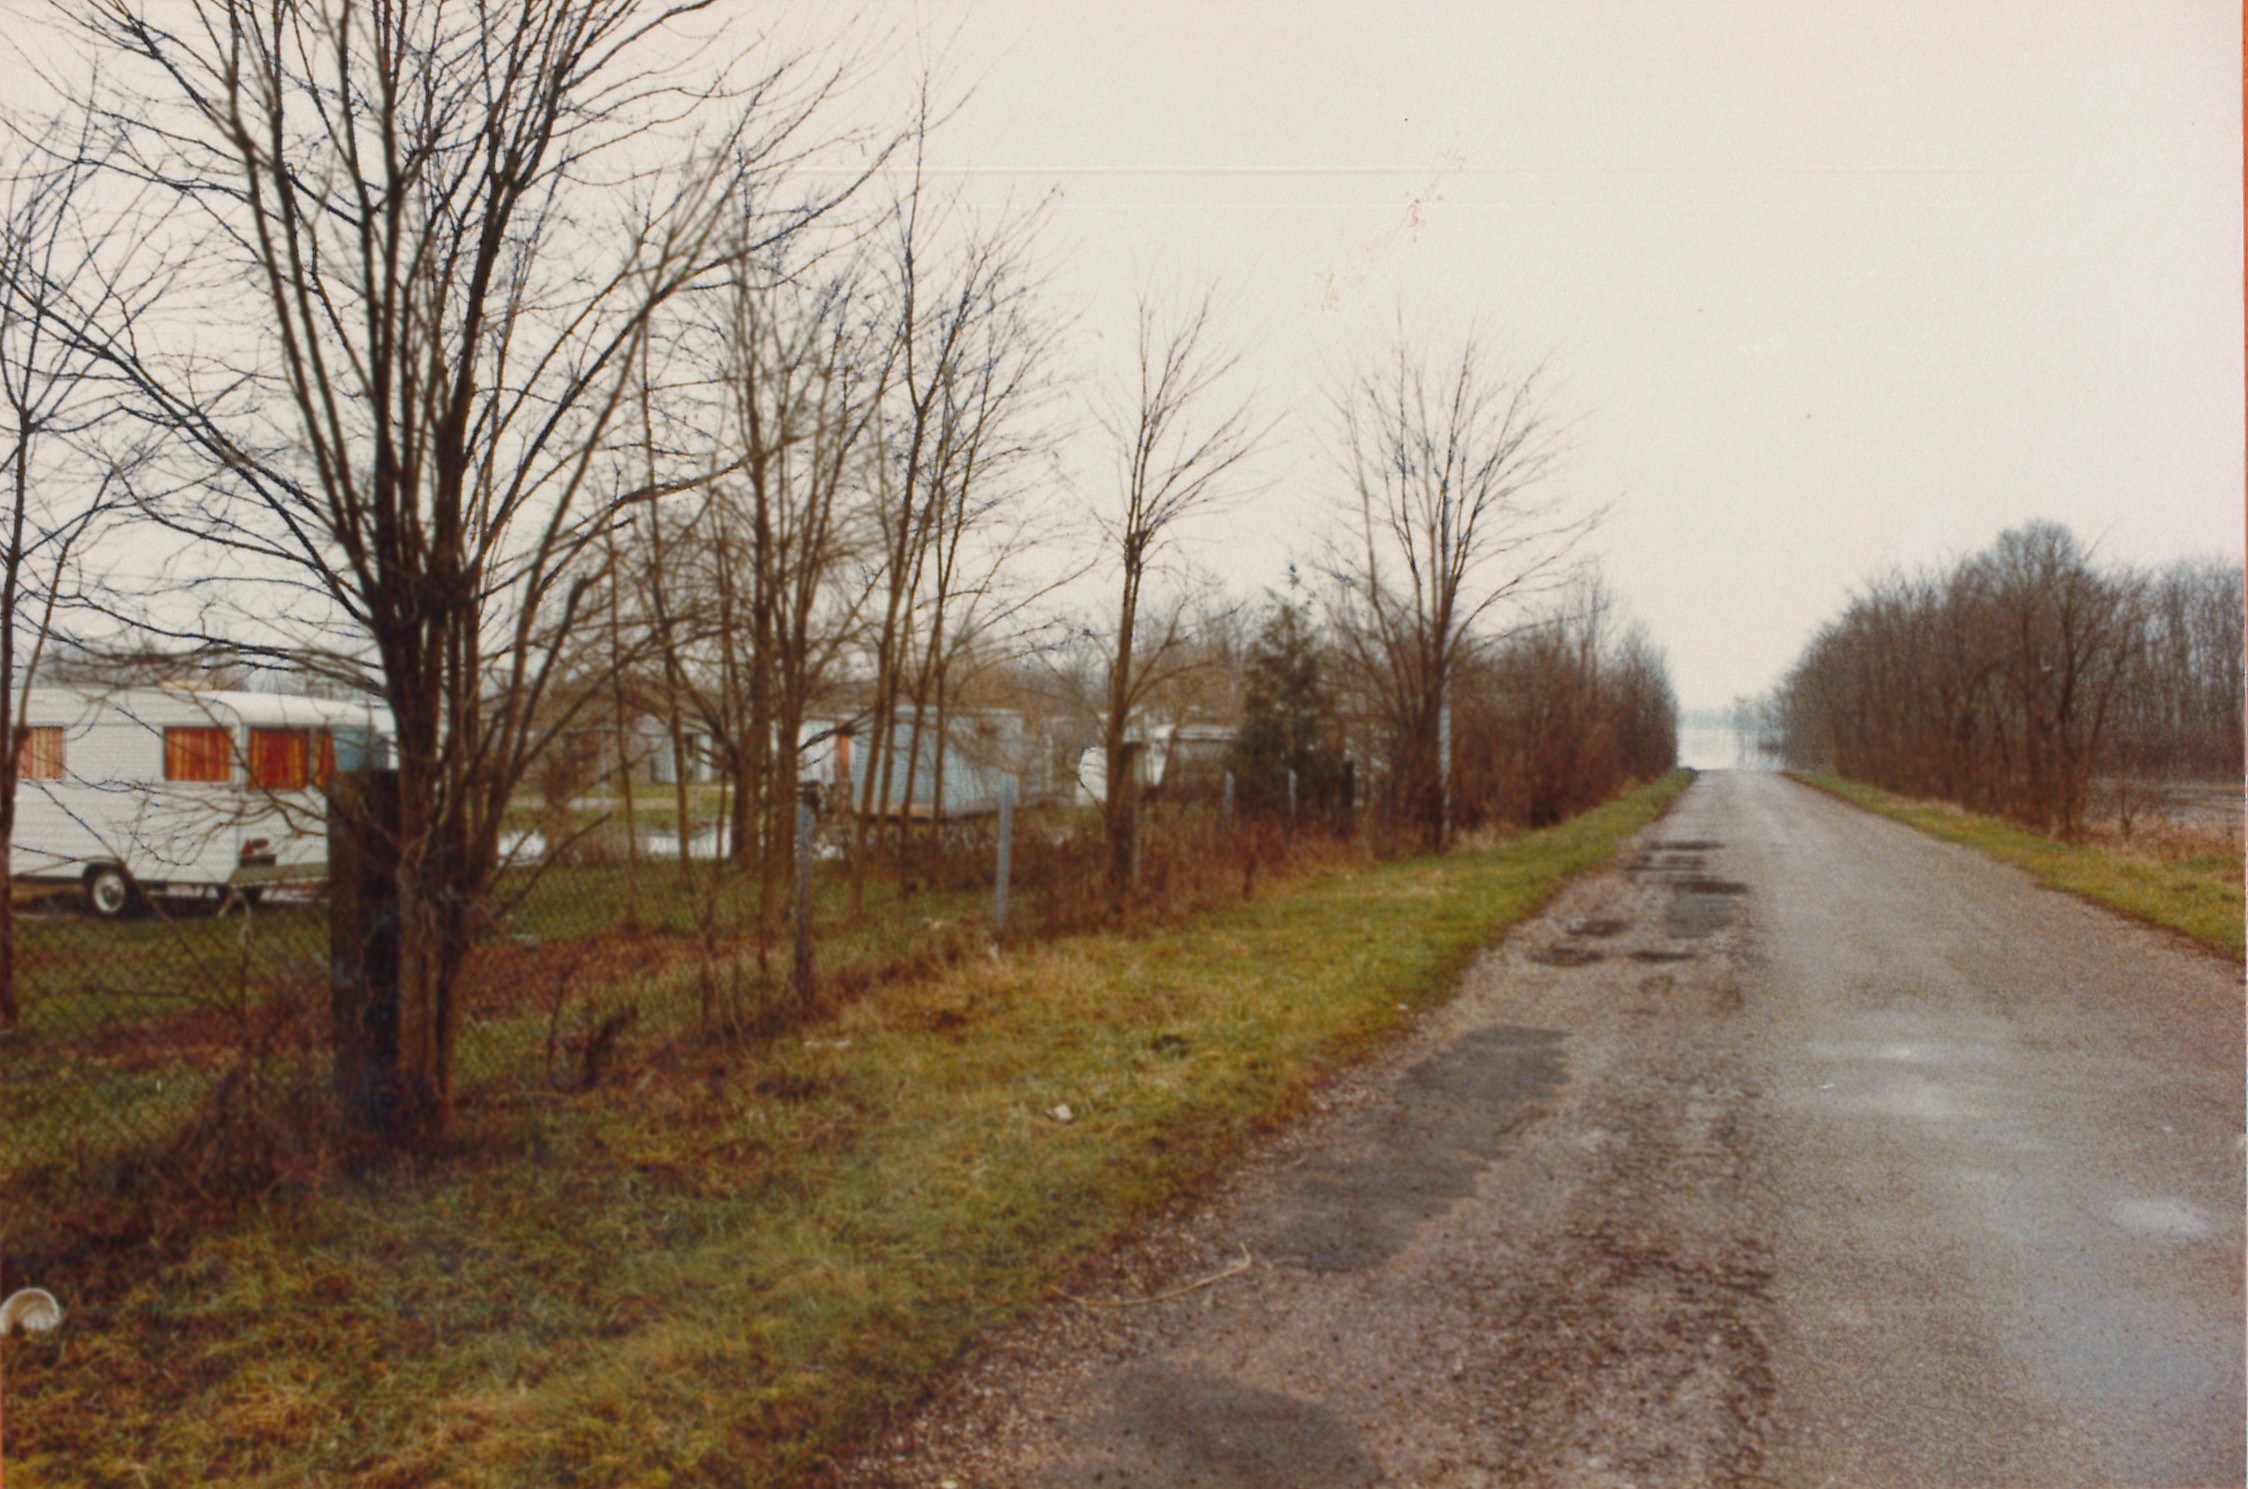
column 185, row 1048
column 124, row 1024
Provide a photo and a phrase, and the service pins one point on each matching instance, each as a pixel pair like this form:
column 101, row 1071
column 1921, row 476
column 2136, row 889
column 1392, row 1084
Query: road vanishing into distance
column 1796, row 1148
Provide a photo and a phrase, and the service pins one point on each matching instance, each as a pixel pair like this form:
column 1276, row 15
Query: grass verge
column 716, row 1269
column 2200, row 895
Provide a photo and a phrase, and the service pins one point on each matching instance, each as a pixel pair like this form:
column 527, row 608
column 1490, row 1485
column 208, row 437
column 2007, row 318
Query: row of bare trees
column 1549, row 716
column 538, row 367
column 1559, row 714
column 2012, row 681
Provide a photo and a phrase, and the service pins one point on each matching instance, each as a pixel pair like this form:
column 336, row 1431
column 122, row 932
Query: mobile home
column 148, row 791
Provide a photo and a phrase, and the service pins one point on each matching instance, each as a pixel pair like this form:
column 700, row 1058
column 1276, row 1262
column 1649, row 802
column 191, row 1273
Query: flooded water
column 607, row 840
column 1707, row 747
column 708, row 842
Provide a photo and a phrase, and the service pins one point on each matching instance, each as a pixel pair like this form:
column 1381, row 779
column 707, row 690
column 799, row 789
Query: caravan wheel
column 109, row 894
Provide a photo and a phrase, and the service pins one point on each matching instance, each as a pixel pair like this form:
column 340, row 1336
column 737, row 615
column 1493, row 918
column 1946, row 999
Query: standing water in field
column 1709, row 739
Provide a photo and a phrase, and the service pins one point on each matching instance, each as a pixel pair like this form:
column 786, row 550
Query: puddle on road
column 1357, row 1204
column 1921, row 1100
column 1173, row 1427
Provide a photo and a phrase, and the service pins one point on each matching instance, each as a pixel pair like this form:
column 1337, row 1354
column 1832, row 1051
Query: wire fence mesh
column 126, row 1025
column 188, row 1043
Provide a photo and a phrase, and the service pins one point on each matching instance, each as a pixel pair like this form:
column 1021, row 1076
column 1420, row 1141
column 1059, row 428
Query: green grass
column 2200, row 894
column 716, row 1269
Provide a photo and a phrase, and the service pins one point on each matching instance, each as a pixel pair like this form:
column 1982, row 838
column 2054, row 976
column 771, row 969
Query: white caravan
column 166, row 790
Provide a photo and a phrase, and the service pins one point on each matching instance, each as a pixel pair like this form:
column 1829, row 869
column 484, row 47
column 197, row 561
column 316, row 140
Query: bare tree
column 1179, row 459
column 1558, row 714
column 438, row 234
column 970, row 377
column 804, row 374
column 53, row 259
column 1450, row 515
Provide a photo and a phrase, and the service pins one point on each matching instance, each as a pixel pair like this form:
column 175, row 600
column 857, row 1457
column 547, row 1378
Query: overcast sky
column 1831, row 287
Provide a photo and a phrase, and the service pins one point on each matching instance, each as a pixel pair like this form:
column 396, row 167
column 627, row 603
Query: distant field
column 2187, row 883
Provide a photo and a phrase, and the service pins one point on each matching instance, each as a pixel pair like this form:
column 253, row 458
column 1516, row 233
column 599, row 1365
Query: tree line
column 2019, row 678
column 539, row 366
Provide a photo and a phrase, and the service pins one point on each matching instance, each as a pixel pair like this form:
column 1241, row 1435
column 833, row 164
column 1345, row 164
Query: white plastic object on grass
column 33, row 1310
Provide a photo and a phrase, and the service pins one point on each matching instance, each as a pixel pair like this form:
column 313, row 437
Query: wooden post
column 363, row 947
column 1006, row 857
column 804, row 802
column 1225, row 803
column 1291, row 803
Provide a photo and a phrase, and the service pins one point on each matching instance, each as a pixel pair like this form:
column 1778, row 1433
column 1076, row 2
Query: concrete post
column 804, row 803
column 1444, row 770
column 1006, row 857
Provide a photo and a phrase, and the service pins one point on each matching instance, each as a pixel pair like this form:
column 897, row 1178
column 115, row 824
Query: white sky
column 1832, row 287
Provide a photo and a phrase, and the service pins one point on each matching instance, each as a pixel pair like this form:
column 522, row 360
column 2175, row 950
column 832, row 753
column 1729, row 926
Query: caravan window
column 39, row 754
column 197, row 755
column 291, row 759
column 280, row 759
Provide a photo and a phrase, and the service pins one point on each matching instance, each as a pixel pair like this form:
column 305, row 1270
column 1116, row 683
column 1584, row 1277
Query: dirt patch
column 507, row 978
column 787, row 1085
column 204, row 1035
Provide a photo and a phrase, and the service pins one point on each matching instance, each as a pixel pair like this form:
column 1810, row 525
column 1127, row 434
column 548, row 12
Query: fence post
column 805, row 797
column 1225, row 805
column 363, row 947
column 1006, row 856
column 1291, row 803
column 1444, row 772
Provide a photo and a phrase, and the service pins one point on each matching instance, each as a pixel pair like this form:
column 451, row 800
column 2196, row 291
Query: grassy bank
column 2199, row 894
column 713, row 1269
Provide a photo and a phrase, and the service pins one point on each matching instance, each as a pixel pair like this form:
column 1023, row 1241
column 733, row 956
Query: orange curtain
column 39, row 756
column 279, row 759
column 197, row 755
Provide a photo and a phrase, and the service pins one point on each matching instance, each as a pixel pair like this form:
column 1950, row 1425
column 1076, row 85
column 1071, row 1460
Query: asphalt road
column 1795, row 1149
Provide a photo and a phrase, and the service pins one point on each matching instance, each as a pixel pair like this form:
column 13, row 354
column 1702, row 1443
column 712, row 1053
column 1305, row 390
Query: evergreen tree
column 1287, row 717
